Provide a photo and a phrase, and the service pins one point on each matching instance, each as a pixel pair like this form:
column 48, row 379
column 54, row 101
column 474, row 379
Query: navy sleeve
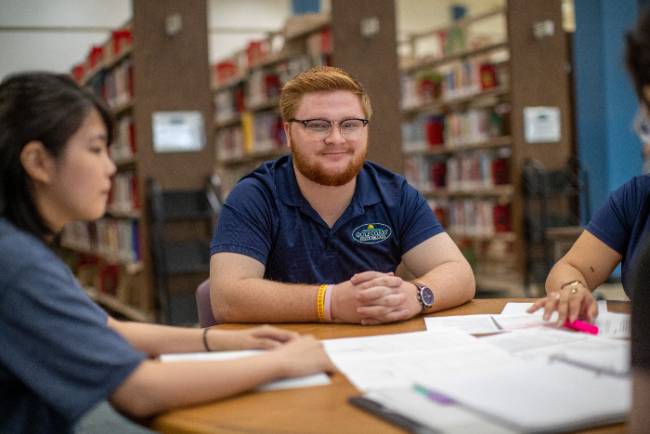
column 418, row 222
column 55, row 340
column 245, row 224
column 613, row 223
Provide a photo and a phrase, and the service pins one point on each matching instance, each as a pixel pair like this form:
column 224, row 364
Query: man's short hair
column 320, row 79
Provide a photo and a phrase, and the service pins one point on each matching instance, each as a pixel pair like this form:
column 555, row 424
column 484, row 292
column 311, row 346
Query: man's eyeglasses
column 642, row 125
column 321, row 128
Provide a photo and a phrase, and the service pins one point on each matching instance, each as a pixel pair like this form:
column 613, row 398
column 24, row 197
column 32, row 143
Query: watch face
column 427, row 296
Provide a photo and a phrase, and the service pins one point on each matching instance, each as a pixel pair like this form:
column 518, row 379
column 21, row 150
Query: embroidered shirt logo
column 372, row 233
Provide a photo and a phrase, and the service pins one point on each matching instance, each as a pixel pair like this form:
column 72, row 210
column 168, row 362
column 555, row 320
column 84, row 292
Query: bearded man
column 317, row 235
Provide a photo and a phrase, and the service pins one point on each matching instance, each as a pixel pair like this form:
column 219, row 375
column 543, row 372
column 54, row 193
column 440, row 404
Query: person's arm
column 239, row 293
column 155, row 386
column 440, row 265
column 436, row 263
column 572, row 279
column 589, row 261
column 156, row 339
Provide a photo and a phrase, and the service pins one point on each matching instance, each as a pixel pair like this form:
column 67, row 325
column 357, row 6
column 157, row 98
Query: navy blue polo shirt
column 267, row 218
column 622, row 222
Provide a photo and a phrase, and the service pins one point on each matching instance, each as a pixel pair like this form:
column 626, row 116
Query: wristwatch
column 425, row 296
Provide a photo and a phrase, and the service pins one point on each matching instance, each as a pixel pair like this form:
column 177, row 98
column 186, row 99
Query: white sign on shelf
column 542, row 124
column 178, row 131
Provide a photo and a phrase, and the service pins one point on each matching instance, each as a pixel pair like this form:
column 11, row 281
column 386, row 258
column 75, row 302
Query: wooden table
column 322, row 409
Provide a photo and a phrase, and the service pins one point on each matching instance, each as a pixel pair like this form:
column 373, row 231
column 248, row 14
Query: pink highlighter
column 581, row 326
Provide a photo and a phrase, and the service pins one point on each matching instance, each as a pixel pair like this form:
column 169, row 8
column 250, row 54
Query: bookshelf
column 246, row 88
column 463, row 95
column 136, row 72
column 106, row 254
column 304, row 41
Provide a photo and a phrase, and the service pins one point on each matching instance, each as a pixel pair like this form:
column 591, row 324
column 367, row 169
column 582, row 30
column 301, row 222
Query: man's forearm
column 260, row 300
column 452, row 284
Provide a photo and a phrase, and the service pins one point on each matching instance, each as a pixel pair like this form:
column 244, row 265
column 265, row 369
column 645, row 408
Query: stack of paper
column 610, row 324
column 399, row 360
column 605, row 355
column 515, row 317
column 535, row 396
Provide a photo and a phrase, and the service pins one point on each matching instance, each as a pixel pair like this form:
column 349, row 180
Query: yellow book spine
column 247, row 132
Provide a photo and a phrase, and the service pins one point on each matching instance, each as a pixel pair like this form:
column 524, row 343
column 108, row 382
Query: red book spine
column 501, row 218
column 132, row 142
column 135, row 196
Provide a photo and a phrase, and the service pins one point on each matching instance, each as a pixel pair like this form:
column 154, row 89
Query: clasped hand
column 373, row 297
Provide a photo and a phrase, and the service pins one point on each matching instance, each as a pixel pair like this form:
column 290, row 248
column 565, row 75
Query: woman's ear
column 37, row 162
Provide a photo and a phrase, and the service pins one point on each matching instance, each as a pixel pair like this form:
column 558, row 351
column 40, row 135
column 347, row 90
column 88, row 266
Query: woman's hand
column 262, row 337
column 302, row 356
column 572, row 301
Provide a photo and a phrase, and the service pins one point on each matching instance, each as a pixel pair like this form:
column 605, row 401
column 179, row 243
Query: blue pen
column 434, row 396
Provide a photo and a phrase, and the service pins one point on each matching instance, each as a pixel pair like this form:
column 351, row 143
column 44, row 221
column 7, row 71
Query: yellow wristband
column 320, row 302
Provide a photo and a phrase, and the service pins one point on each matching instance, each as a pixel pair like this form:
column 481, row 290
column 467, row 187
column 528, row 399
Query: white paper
column 614, row 325
column 534, row 341
column 611, row 357
column 601, row 354
column 535, row 396
column 515, row 308
column 610, row 324
column 517, row 322
column 474, row 324
column 319, row 379
column 203, row 356
column 602, row 307
column 522, row 308
column 399, row 360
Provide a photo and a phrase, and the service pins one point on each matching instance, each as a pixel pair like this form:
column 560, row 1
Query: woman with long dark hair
column 60, row 354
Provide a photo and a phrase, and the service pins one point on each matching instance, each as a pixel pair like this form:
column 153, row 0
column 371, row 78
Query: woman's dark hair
column 44, row 107
column 637, row 53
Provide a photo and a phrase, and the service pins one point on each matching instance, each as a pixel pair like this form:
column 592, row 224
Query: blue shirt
column 267, row 218
column 622, row 222
column 58, row 358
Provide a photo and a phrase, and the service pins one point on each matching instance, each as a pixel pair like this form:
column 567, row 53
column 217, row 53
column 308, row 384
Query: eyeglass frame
column 331, row 123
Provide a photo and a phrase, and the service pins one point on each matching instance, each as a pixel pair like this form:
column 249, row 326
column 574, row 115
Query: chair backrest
column 181, row 223
column 204, row 306
column 553, row 199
